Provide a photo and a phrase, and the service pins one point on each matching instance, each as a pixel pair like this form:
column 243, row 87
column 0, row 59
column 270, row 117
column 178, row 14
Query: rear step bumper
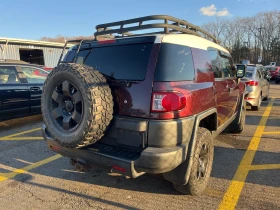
column 130, row 163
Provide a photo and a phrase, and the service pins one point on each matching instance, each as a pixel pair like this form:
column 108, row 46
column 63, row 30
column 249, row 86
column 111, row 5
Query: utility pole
column 246, row 49
column 260, row 41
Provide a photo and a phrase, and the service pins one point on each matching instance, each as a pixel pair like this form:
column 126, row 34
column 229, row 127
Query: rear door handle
column 35, row 88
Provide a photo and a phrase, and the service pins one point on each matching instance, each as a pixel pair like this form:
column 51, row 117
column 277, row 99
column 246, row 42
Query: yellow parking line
column 265, row 167
column 20, row 133
column 21, row 138
column 5, row 176
column 271, row 133
column 231, row 197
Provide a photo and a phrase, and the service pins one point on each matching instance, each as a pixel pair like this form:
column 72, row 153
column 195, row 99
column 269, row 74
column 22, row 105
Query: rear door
column 130, row 65
column 34, row 78
column 14, row 94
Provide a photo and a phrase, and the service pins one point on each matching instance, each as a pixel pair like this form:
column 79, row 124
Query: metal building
column 32, row 51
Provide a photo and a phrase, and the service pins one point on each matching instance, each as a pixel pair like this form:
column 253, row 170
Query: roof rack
column 169, row 25
column 79, row 41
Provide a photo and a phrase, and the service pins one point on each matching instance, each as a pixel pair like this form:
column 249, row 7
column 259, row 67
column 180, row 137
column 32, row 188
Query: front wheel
column 202, row 165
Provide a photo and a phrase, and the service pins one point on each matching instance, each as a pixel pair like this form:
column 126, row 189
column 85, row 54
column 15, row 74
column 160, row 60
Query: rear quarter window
column 174, row 63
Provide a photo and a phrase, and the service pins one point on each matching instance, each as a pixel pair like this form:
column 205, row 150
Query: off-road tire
column 194, row 186
column 96, row 99
column 238, row 125
column 276, row 81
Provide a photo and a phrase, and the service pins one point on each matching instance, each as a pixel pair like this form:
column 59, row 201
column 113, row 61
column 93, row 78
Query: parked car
column 150, row 103
column 277, row 78
column 273, row 70
column 20, row 89
column 257, row 86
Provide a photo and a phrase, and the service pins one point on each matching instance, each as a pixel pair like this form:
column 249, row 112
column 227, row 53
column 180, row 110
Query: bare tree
column 249, row 37
column 61, row 39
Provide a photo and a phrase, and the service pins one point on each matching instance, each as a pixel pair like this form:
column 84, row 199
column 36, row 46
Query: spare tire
column 77, row 105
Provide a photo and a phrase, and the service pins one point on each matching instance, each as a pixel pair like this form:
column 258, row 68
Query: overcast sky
column 33, row 19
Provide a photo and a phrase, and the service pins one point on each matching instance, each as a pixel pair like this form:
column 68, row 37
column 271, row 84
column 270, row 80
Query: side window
column 82, row 56
column 34, row 75
column 226, row 65
column 175, row 63
column 215, row 62
column 259, row 73
column 8, row 75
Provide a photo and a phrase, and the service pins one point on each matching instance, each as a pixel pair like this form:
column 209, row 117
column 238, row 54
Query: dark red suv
column 149, row 103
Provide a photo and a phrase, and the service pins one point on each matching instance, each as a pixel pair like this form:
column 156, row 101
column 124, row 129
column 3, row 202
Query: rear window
column 174, row 63
column 123, row 62
column 249, row 74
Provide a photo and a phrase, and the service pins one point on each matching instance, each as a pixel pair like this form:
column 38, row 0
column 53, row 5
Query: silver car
column 256, row 85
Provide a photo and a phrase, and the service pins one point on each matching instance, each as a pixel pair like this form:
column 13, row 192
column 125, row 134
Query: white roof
column 191, row 41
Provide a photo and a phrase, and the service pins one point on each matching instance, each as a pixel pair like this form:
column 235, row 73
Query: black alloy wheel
column 202, row 162
column 67, row 106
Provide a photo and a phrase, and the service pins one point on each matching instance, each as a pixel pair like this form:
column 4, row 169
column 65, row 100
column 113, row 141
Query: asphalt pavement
column 245, row 175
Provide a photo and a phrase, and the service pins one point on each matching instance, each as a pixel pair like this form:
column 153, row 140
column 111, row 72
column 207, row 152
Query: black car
column 20, row 88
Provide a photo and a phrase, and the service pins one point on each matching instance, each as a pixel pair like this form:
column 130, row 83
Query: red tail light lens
column 167, row 102
column 252, row 83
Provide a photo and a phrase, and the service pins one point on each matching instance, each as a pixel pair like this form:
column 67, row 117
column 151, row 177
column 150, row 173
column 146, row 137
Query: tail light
column 252, row 83
column 168, row 101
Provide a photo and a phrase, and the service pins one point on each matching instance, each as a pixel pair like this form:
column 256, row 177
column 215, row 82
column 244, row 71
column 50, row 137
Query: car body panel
column 15, row 100
column 273, row 70
column 20, row 98
column 254, row 92
column 34, row 79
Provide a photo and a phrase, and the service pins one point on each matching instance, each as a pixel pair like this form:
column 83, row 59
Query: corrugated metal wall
column 51, row 54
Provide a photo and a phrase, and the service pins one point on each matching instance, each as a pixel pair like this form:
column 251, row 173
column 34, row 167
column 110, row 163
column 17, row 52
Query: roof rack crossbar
column 169, row 25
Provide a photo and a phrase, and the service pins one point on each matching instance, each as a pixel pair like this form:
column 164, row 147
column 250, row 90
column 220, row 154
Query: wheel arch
column 180, row 175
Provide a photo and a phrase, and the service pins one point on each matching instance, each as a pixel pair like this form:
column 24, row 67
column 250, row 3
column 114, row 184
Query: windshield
column 271, row 69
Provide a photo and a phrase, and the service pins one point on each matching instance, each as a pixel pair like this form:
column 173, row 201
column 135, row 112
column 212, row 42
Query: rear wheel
column 256, row 108
column 238, row 125
column 276, row 81
column 266, row 98
column 202, row 165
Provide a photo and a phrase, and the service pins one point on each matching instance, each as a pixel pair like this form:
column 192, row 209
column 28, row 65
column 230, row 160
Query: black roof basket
column 169, row 25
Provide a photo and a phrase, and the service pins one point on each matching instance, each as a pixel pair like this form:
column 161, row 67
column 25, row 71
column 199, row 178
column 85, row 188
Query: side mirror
column 240, row 70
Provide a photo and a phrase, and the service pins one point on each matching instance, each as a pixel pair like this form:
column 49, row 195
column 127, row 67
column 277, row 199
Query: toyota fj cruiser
column 144, row 103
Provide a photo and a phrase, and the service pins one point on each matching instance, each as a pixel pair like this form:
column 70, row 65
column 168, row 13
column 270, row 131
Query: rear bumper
column 252, row 97
column 133, row 164
column 252, row 102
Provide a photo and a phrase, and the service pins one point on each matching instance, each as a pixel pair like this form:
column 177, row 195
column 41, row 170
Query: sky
column 33, row 19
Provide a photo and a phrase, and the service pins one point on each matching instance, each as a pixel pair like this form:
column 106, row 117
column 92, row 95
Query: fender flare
column 180, row 174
